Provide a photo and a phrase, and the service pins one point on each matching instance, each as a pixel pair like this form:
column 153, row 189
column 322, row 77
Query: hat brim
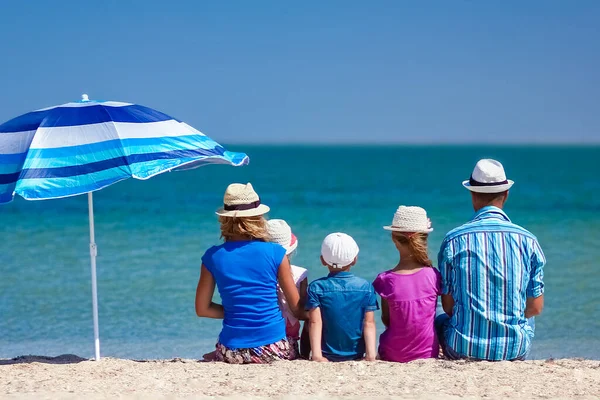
column 254, row 212
column 488, row 189
column 396, row 229
column 290, row 249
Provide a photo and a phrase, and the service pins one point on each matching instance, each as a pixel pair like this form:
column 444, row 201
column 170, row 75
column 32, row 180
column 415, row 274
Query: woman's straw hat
column 488, row 177
column 410, row 219
column 281, row 233
column 241, row 201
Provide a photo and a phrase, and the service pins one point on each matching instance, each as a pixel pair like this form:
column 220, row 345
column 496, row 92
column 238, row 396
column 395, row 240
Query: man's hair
column 488, row 198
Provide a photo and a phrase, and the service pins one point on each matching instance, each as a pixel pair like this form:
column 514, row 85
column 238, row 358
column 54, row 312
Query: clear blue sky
column 318, row 71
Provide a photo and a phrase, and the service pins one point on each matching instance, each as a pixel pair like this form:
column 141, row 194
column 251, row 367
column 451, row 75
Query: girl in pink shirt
column 409, row 291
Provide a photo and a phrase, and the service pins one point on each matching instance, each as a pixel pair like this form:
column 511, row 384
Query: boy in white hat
column 341, row 306
column 281, row 233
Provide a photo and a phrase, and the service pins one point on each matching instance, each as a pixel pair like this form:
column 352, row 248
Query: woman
column 247, row 268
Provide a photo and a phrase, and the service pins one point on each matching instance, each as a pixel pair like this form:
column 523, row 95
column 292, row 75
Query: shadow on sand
column 62, row 359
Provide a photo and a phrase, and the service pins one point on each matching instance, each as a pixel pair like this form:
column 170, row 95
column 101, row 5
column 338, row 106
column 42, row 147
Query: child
column 409, row 291
column 341, row 306
column 281, row 233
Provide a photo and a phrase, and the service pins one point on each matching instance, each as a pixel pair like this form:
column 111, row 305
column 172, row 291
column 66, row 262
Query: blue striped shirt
column 490, row 266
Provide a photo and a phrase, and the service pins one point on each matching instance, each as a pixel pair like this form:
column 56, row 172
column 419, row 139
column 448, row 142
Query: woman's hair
column 251, row 227
column 417, row 242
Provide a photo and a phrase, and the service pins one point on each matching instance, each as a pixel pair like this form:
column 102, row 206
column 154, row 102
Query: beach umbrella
column 84, row 146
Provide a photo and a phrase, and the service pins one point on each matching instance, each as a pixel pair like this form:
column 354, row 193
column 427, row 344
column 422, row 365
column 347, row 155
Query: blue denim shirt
column 343, row 299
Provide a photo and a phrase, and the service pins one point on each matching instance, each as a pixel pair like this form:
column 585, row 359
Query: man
column 492, row 277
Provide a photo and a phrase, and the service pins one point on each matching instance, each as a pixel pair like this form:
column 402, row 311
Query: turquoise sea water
column 152, row 234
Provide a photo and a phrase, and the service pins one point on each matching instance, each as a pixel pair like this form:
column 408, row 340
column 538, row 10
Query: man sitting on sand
column 492, row 277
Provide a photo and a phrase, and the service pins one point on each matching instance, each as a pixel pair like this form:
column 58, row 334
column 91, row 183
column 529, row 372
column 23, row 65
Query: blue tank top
column 246, row 276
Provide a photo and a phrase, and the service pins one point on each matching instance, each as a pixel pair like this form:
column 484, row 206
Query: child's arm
column 385, row 312
column 370, row 334
column 305, row 342
column 315, row 333
column 204, row 294
column 303, row 297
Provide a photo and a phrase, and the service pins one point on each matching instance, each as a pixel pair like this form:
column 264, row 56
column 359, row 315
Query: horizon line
column 417, row 144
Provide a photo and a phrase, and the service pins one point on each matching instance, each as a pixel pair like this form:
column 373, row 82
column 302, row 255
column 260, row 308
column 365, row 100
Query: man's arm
column 370, row 334
column 534, row 306
column 448, row 303
column 535, row 287
column 447, row 273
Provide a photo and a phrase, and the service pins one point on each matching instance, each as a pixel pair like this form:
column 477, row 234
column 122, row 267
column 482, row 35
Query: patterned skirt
column 281, row 350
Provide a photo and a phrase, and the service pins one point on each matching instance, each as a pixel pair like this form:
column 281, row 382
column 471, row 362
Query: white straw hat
column 281, row 233
column 488, row 177
column 339, row 250
column 241, row 201
column 410, row 219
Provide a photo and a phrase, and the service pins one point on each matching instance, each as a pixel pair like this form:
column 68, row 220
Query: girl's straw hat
column 410, row 219
column 281, row 233
column 241, row 201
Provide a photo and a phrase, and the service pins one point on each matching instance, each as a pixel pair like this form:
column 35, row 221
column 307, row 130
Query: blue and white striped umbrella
column 84, row 146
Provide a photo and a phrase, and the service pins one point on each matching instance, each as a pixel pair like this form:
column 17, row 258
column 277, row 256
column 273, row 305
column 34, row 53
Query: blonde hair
column 250, row 227
column 417, row 243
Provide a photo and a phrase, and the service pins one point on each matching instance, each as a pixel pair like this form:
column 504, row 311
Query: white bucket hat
column 281, row 233
column 339, row 250
column 241, row 201
column 410, row 219
column 488, row 177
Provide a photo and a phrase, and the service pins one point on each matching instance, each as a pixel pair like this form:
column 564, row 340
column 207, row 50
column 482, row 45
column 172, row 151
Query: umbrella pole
column 93, row 254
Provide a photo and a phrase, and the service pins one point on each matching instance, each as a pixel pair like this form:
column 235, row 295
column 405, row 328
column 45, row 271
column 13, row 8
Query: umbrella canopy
column 84, row 146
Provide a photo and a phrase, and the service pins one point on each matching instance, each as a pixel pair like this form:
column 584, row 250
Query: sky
column 318, row 71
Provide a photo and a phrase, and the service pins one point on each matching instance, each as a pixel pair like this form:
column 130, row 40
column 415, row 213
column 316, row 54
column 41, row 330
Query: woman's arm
column 204, row 294
column 290, row 291
column 370, row 334
column 315, row 332
column 385, row 312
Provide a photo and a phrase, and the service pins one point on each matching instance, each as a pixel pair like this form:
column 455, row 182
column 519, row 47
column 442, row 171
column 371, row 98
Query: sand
column 71, row 377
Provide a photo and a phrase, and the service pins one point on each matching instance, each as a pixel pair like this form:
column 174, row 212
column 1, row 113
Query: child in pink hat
column 281, row 233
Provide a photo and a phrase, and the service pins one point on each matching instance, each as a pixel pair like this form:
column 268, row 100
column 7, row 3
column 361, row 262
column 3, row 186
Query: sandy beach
column 72, row 377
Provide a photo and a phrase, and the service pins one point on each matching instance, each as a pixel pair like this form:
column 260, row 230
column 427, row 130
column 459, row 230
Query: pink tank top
column 412, row 301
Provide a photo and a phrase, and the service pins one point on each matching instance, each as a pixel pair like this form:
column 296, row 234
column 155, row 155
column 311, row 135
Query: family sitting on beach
column 490, row 280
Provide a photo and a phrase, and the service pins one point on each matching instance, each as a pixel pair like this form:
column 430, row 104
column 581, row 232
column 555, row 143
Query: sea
column 151, row 235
